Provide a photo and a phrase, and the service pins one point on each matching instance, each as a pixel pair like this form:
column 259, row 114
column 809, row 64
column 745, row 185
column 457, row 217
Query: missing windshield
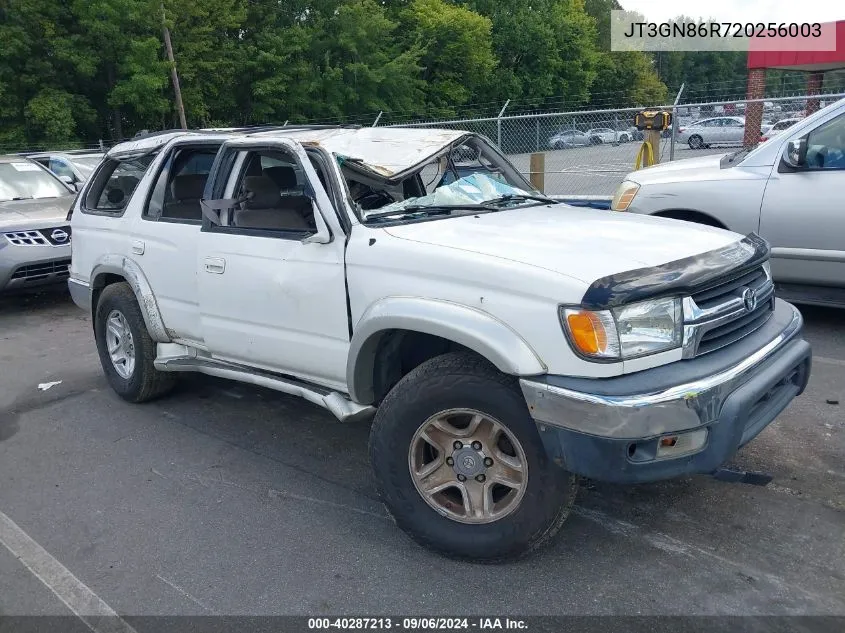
column 467, row 176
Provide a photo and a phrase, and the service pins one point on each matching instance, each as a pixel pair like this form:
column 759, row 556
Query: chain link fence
column 589, row 152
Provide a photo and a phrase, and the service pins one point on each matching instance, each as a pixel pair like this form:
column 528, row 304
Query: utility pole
column 173, row 74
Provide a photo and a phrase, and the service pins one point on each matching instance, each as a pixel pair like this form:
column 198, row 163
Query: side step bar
column 342, row 407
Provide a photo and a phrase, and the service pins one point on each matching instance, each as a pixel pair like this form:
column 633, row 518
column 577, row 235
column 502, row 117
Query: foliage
column 76, row 71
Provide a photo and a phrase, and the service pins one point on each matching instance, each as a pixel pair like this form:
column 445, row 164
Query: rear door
column 271, row 279
column 803, row 215
column 166, row 234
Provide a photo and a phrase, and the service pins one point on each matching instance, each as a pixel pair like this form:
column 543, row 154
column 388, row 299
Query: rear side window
column 180, row 184
column 115, row 183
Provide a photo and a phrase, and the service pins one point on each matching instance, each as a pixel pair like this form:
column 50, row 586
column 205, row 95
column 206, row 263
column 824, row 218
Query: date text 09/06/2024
column 418, row 624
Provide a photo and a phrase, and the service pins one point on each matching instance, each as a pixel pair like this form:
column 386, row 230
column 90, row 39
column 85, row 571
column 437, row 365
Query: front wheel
column 460, row 464
column 696, row 142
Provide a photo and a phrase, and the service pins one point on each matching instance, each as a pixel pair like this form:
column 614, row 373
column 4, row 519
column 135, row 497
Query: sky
column 740, row 10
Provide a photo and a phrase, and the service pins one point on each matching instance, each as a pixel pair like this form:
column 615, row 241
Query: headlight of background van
column 624, row 195
column 630, row 331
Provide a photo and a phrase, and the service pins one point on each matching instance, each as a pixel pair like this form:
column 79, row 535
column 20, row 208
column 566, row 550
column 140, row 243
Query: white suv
column 503, row 342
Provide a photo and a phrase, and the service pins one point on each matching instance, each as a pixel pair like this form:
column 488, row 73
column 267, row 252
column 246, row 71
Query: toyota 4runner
column 504, row 343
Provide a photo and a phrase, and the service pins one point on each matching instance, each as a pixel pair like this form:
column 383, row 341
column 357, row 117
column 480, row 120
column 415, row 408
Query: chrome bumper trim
column 80, row 292
column 683, row 407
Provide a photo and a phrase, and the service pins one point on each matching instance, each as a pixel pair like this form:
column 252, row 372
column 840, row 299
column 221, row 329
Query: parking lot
column 229, row 499
column 598, row 169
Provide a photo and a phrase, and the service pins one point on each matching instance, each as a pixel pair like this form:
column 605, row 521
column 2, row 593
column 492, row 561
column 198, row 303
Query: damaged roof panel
column 386, row 151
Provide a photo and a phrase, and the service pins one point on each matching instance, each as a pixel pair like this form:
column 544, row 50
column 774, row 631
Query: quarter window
column 115, row 183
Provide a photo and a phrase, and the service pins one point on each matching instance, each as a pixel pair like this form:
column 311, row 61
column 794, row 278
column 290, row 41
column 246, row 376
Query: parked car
column 725, row 130
column 788, row 188
column 607, row 135
column 569, row 138
column 34, row 231
column 72, row 167
column 504, row 342
column 774, row 129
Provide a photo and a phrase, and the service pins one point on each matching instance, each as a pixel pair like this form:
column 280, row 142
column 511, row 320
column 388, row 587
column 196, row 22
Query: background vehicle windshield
column 24, row 180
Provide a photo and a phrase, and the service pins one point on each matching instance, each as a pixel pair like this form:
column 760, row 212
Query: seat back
column 266, row 208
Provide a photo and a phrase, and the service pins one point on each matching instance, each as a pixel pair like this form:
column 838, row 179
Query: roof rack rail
column 249, row 129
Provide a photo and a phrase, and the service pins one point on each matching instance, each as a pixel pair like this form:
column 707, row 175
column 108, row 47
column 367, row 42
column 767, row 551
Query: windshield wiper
column 517, row 197
column 423, row 210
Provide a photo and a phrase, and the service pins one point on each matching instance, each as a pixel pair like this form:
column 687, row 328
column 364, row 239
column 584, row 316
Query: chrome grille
column 39, row 272
column 719, row 315
column 26, row 238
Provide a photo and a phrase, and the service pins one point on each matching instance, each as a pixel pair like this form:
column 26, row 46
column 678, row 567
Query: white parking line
column 76, row 596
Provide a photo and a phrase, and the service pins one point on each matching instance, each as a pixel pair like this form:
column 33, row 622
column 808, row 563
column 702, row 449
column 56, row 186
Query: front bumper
column 616, row 436
column 29, row 266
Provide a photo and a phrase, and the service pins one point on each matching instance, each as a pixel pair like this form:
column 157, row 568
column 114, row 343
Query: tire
column 696, row 142
column 143, row 381
column 465, row 381
column 595, row 140
column 624, row 138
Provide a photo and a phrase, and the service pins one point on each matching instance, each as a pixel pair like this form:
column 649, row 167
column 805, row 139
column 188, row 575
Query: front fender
column 474, row 329
column 128, row 269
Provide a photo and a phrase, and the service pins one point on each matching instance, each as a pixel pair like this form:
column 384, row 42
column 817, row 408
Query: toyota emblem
column 58, row 235
column 469, row 462
column 749, row 299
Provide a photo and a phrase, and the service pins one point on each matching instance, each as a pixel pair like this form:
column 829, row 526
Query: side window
column 61, row 168
column 826, row 145
column 114, row 184
column 179, row 187
column 271, row 186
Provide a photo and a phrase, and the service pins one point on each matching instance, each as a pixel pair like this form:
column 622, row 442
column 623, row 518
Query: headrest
column 282, row 175
column 189, row 187
column 265, row 193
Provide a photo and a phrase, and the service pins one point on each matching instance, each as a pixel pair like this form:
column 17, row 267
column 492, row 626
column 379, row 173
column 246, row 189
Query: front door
column 271, row 276
column 803, row 216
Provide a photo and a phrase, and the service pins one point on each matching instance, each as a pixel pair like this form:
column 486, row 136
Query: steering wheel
column 374, row 200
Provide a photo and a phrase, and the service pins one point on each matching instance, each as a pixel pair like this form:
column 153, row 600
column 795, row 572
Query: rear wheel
column 125, row 348
column 696, row 142
column 460, row 464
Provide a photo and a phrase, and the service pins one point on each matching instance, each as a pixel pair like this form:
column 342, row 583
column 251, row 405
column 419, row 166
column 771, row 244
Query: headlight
column 624, row 195
column 638, row 329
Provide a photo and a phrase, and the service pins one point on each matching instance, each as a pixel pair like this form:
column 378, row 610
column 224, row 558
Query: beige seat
column 266, row 208
column 187, row 193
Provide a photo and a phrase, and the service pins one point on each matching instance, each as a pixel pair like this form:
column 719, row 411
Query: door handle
column 215, row 265
column 138, row 247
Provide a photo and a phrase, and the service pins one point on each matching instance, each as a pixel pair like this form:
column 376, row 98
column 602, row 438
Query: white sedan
column 607, row 135
column 723, row 130
column 780, row 126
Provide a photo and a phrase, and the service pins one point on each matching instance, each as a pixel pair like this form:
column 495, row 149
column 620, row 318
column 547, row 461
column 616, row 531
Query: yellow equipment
column 652, row 122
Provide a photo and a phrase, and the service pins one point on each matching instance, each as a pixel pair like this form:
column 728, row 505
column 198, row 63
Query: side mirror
column 68, row 181
column 795, row 154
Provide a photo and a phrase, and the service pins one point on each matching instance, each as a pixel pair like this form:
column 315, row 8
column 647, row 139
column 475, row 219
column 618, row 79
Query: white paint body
column 281, row 305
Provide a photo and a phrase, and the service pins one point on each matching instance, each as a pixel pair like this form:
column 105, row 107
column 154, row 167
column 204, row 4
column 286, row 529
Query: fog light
column 681, row 444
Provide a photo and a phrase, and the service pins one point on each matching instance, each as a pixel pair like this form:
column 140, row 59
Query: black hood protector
column 680, row 277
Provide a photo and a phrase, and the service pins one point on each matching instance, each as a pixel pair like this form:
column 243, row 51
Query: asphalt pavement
column 598, row 169
column 229, row 499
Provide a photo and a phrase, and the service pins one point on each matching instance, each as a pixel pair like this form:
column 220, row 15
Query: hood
column 701, row 169
column 584, row 244
column 21, row 214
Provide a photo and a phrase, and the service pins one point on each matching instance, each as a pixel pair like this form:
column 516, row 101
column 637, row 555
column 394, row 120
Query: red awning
column 802, row 60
